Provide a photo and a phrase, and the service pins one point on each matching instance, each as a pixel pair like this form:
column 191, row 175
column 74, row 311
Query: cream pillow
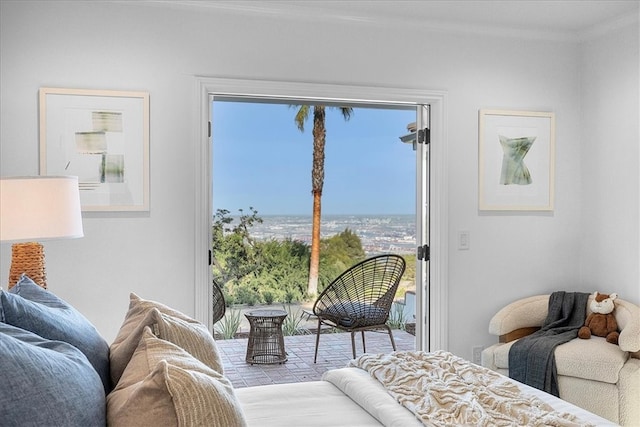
column 165, row 385
column 168, row 324
column 194, row 338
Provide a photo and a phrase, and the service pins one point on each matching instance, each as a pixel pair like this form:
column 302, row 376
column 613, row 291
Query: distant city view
column 379, row 233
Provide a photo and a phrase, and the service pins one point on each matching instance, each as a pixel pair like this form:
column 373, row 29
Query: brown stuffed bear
column 601, row 322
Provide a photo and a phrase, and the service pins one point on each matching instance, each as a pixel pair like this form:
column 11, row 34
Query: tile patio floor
column 334, row 352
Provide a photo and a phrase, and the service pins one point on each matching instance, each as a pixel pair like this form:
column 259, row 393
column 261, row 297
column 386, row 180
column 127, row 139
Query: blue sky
column 261, row 159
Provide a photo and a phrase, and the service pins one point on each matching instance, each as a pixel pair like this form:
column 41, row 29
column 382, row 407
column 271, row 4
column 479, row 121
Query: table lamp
column 37, row 208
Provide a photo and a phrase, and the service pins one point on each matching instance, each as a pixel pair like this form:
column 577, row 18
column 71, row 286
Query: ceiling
column 552, row 15
column 569, row 19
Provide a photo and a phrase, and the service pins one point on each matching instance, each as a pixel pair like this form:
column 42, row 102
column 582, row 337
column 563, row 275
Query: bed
column 164, row 369
column 355, row 396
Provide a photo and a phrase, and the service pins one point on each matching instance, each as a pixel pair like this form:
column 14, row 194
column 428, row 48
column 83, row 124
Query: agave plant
column 228, row 326
column 292, row 324
column 396, row 317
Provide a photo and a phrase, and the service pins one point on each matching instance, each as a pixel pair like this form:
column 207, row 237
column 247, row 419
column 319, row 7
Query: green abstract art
column 514, row 170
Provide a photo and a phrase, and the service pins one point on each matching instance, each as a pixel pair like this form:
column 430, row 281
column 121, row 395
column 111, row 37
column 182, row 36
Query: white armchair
column 600, row 377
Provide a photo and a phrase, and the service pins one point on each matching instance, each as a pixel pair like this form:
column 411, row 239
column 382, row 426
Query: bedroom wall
column 129, row 46
column 610, row 257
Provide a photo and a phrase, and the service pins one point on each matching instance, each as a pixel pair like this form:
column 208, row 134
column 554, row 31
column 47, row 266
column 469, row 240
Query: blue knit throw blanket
column 531, row 359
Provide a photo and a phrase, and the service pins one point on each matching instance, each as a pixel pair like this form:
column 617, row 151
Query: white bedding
column 371, row 395
column 350, row 397
column 310, row 404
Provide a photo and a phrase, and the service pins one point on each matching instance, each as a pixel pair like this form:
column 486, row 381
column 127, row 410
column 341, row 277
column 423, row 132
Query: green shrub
column 292, row 295
column 245, row 294
column 268, row 297
column 229, row 299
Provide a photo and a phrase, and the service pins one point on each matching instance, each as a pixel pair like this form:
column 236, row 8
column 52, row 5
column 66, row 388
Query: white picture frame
column 516, row 160
column 101, row 136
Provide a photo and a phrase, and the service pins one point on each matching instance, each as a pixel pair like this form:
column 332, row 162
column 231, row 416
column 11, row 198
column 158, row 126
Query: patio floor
column 334, row 352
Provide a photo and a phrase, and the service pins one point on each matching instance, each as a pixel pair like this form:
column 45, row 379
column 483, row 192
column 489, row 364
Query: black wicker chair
column 360, row 298
column 219, row 305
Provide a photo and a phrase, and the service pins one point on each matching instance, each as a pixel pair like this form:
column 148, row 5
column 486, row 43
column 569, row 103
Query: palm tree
column 317, row 180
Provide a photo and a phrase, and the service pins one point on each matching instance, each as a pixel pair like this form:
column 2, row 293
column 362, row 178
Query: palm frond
column 301, row 116
column 346, row 112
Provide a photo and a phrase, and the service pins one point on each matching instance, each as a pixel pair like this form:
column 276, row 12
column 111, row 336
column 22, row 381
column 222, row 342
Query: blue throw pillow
column 30, row 307
column 47, row 383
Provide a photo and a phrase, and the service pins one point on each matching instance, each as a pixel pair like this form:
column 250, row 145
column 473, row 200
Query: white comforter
column 352, row 397
column 442, row 389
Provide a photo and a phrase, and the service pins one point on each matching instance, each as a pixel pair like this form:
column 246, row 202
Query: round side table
column 266, row 341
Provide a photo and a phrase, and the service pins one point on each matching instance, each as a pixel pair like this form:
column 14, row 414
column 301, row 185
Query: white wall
column 130, row 46
column 610, row 181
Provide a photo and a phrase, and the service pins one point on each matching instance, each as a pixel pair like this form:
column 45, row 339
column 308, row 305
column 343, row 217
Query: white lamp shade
column 40, row 208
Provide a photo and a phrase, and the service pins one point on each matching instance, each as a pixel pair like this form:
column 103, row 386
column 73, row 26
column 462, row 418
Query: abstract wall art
column 516, row 154
column 102, row 137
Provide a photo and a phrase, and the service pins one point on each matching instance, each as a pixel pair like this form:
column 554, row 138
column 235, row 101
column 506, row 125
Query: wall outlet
column 476, row 354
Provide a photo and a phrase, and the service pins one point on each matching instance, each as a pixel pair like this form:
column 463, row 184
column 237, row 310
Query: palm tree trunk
column 317, row 182
column 314, row 263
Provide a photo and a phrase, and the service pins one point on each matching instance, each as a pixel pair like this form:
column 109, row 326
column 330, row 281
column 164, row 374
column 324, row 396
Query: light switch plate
column 463, row 240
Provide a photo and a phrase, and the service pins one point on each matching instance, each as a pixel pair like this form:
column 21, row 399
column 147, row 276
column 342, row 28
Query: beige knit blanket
column 442, row 389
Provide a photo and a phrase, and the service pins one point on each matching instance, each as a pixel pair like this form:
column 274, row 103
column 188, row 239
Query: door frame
column 206, row 87
column 423, row 215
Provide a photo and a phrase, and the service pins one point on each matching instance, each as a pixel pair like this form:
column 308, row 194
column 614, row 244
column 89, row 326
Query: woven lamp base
column 27, row 258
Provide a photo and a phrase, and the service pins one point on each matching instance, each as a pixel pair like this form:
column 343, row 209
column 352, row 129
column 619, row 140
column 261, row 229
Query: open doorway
column 263, row 182
column 434, row 299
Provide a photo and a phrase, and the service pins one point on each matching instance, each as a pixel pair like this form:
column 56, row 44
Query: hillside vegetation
column 273, row 271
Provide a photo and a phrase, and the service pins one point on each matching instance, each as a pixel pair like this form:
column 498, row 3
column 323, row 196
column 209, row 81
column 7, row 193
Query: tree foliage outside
column 234, row 250
column 338, row 253
column 273, row 271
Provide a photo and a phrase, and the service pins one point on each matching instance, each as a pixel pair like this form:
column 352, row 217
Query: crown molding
column 609, row 26
column 299, row 11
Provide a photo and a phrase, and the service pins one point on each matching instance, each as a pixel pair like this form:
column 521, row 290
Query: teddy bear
column 601, row 322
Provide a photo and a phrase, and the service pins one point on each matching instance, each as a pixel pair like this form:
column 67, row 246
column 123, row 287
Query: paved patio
column 334, row 352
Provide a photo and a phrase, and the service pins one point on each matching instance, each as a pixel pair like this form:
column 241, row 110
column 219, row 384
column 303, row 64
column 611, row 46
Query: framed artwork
column 102, row 137
column 516, row 160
